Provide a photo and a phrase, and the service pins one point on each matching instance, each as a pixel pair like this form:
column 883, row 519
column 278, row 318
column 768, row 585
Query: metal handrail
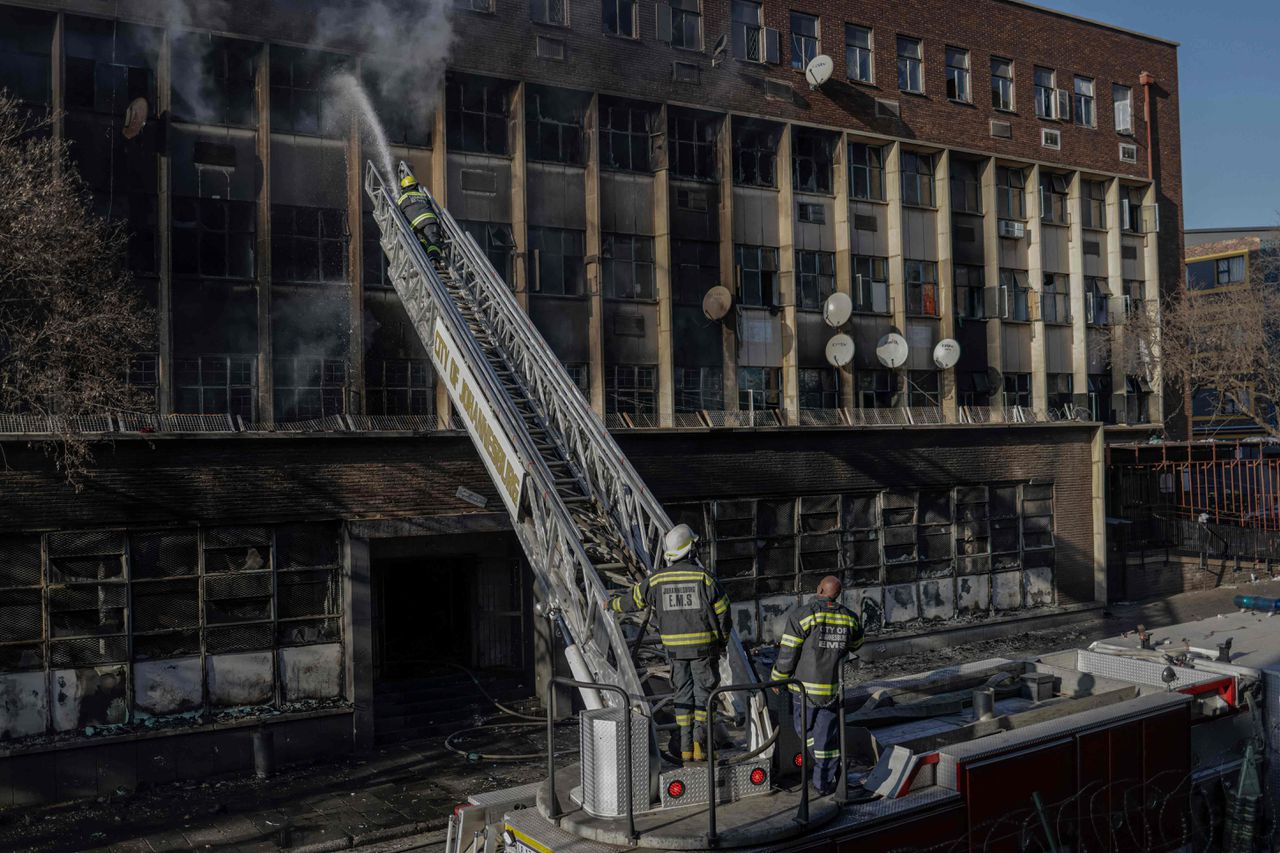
column 802, row 814
column 624, row 708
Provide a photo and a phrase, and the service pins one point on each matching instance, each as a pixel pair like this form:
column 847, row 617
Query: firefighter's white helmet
column 679, row 543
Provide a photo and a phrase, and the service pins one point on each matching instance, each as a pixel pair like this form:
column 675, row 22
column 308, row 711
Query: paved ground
column 397, row 798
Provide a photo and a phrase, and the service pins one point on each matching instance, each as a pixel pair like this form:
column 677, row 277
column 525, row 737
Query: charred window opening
column 308, row 588
column 309, row 387
column 308, row 245
column 108, row 65
column 1017, row 390
column 580, row 375
column 557, row 261
column 758, row 285
column 812, row 161
column 819, row 388
column 628, row 267
column 693, row 145
column 695, row 269
column 877, row 389
column 755, row 154
column 815, row 279
column 974, row 388
column 216, row 385
column 377, row 270
column 214, row 80
column 760, row 388
column 631, row 389
column 477, row 110
column 917, row 180
column 923, row 389
column 213, row 238
column 553, row 126
column 1011, row 193
column 497, row 243
column 922, row 288
column 626, row 135
column 398, row 386
column 26, row 63
column 21, row 605
column 299, row 101
column 699, row 389
column 144, row 373
column 164, row 594
column 405, row 120
column 620, row 17
column 87, row 598
column 966, row 186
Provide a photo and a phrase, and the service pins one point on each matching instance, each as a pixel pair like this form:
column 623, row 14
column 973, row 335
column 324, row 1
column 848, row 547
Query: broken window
column 1053, row 198
column 214, row 80
column 755, row 153
column 758, row 276
column 1061, row 394
column 699, row 389
column 626, row 135
column 307, row 591
column 922, row 288
column 759, row 389
column 1100, row 408
column 144, row 373
column 580, row 376
column 377, row 269
column 1011, row 196
column 1055, row 299
column 164, row 594
column 631, row 388
column 398, row 386
column 934, row 532
column 557, row 261
column 21, row 605
column 300, row 102
column 686, row 24
column 972, row 530
column 695, row 269
column 1017, row 390
column 216, row 385
column 1015, row 295
column 866, row 171
column 476, row 114
column 861, row 536
column 1004, row 526
column 1037, row 516
column 87, row 598
column 214, row 238
column 923, row 389
column 812, row 161
column 877, row 389
column 308, row 245
column 974, row 388
column 496, row 241
column 819, row 388
column 553, row 126
column 966, row 185
column 1097, row 301
column 627, row 263
column 693, row 145
column 309, row 387
column 970, row 285
column 815, row 278
column 237, row 589
column 870, row 284
column 619, row 17
column 26, row 63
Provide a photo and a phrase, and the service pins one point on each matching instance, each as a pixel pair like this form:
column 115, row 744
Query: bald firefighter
column 421, row 214
column 692, row 616
column 814, row 644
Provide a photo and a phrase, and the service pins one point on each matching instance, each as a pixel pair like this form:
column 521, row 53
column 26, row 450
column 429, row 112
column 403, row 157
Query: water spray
column 348, row 87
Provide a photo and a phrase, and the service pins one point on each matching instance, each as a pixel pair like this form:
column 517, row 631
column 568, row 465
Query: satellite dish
column 818, row 71
column 946, row 354
column 837, row 310
column 840, row 350
column 718, row 52
column 717, row 302
column 135, row 118
column 892, row 350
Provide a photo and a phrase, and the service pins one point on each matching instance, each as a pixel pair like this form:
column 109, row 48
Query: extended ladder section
column 585, row 519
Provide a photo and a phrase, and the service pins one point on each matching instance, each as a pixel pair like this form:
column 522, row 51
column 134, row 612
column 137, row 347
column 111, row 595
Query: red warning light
column 675, row 790
column 460, row 808
column 757, row 776
column 799, row 760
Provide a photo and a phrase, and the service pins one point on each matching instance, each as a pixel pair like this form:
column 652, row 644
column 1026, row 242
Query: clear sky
column 1229, row 75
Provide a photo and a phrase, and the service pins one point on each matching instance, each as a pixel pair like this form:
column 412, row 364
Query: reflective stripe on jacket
column 417, row 208
column 690, row 610
column 817, row 637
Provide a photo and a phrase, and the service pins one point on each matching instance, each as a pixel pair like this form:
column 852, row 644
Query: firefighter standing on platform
column 421, row 214
column 692, row 616
column 814, row 644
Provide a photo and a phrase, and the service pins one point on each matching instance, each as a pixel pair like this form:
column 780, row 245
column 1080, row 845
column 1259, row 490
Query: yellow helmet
column 408, row 181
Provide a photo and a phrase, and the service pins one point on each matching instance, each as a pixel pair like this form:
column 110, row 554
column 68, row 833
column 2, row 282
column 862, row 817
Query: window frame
column 1084, row 110
column 535, row 261
column 764, row 139
column 910, row 65
column 765, row 290
column 1009, row 86
column 970, row 297
column 921, row 190
column 1045, row 104
column 680, row 13
column 632, row 17
column 1125, row 127
column 959, row 77
column 608, row 135
column 1011, row 195
column 644, row 395
column 815, row 278
column 921, row 281
column 640, row 249
column 867, row 287
column 863, row 54
column 742, row 32
column 800, row 43
column 873, row 173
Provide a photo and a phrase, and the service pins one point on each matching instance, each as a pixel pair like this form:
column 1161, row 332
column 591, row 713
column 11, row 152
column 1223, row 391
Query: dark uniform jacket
column 817, row 637
column 689, row 608
column 417, row 209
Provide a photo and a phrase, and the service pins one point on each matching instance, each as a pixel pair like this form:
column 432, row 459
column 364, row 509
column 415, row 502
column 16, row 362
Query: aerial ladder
column 584, row 518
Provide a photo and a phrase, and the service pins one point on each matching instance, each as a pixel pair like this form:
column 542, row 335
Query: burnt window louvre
column 554, row 126
column 477, row 111
column 686, row 72
column 693, row 145
column 550, row 48
column 812, row 161
column 1001, row 129
column 626, row 135
column 755, row 154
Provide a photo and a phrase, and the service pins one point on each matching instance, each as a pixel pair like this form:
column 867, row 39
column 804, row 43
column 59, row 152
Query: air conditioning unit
column 1012, row 228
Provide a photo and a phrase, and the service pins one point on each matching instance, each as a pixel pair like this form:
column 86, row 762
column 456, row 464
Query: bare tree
column 1222, row 342
column 71, row 321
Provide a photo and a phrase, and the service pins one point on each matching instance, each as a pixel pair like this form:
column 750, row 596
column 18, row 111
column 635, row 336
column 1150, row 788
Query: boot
column 686, row 756
column 698, row 753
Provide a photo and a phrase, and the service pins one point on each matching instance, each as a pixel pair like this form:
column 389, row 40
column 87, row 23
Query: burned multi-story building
column 301, row 523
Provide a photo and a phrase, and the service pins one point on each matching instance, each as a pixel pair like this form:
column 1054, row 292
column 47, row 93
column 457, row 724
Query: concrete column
column 440, row 189
column 662, row 287
column 728, row 264
column 1098, row 501
column 58, row 93
column 357, row 632
column 519, row 199
column 164, row 226
column 594, row 265
column 1151, row 302
column 844, row 251
column 1036, row 276
column 262, row 87
column 897, row 265
column 1115, row 287
column 790, row 390
column 355, row 272
column 991, row 276
column 946, row 286
column 1075, row 269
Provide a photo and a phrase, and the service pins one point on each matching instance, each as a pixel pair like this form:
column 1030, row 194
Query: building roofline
column 1092, row 22
column 1231, row 229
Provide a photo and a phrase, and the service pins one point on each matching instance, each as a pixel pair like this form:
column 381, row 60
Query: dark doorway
column 425, row 621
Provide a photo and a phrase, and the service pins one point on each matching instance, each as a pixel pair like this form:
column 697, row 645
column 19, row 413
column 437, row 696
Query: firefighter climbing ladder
column 581, row 512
